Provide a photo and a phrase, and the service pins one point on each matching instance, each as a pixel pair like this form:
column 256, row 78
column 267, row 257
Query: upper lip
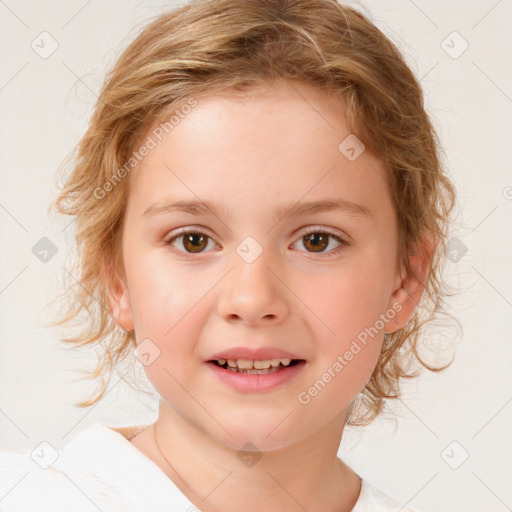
column 253, row 354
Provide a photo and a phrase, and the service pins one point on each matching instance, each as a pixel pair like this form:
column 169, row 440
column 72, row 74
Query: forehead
column 279, row 141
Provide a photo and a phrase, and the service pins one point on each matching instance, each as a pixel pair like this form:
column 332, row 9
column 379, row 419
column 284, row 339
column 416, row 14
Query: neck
column 216, row 477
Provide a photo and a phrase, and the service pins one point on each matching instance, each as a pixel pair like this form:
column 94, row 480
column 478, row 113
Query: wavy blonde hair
column 205, row 47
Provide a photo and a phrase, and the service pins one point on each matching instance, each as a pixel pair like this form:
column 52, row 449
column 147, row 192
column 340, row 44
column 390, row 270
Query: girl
column 260, row 210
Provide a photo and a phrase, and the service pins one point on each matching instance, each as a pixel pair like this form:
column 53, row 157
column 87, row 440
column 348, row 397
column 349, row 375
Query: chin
column 267, row 431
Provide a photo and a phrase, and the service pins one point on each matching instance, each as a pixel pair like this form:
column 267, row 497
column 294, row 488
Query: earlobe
column 408, row 293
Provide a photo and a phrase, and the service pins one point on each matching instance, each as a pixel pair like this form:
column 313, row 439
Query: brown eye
column 320, row 241
column 194, row 242
column 316, row 242
column 190, row 242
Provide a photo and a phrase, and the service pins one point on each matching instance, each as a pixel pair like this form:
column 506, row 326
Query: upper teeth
column 247, row 364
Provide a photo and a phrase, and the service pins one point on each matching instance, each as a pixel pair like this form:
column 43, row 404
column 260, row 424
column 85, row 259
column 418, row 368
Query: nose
column 253, row 294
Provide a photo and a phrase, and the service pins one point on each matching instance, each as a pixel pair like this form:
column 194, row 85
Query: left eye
column 193, row 241
column 318, row 241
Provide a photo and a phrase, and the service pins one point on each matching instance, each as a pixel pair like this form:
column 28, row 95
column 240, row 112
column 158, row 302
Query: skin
column 273, row 147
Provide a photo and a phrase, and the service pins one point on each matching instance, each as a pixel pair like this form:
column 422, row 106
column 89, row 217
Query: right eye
column 193, row 241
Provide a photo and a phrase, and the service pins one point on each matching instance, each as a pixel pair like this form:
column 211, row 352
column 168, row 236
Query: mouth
column 255, row 367
column 253, row 370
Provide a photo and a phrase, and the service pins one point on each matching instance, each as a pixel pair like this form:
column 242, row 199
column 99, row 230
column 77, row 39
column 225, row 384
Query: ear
column 409, row 285
column 118, row 298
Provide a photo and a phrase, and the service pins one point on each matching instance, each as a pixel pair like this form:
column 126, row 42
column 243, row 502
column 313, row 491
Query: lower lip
column 256, row 382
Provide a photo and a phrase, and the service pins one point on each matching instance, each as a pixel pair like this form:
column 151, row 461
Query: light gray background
column 45, row 105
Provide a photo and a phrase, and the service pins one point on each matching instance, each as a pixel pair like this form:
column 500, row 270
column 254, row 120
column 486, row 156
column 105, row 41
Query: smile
column 255, row 375
column 248, row 366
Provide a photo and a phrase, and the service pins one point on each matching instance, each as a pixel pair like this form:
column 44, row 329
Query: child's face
column 254, row 159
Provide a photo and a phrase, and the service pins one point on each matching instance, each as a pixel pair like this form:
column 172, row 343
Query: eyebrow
column 197, row 207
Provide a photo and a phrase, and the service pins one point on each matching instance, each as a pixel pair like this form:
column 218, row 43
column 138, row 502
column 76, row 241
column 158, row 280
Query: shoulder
column 26, row 485
column 372, row 499
column 98, row 469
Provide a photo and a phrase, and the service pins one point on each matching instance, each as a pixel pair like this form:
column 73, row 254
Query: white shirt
column 100, row 470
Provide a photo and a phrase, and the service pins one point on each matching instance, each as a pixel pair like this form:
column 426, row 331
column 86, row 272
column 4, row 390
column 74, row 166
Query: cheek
column 163, row 298
column 346, row 303
column 333, row 389
column 349, row 336
column 348, row 340
column 175, row 330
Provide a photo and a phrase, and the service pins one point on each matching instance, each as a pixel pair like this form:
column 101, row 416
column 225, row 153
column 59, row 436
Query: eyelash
column 314, row 230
